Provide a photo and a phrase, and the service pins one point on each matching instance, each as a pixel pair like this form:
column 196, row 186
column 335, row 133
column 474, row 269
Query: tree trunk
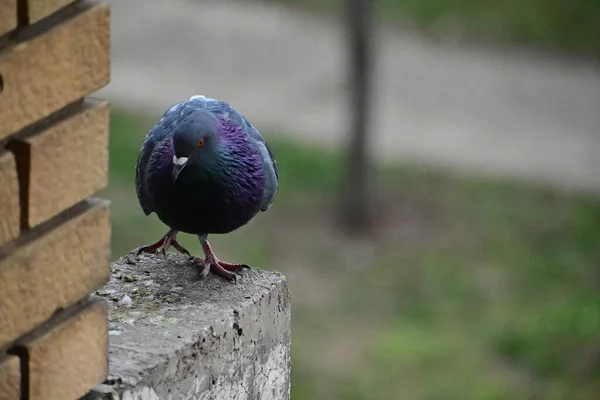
column 355, row 201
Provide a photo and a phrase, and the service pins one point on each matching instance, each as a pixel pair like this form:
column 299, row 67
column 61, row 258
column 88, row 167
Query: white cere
column 180, row 160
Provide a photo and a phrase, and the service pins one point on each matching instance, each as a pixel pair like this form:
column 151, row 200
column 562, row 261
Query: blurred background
column 438, row 217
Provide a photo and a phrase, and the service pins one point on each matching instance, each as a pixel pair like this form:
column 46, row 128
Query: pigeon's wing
column 161, row 132
column 141, row 171
column 269, row 164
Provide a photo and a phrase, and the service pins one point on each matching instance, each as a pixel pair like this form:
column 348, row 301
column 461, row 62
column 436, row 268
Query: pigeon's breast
column 199, row 206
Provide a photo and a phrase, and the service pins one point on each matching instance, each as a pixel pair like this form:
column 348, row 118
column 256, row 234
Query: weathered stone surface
column 174, row 336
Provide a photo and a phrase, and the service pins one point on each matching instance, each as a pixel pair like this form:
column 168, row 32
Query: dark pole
column 355, row 199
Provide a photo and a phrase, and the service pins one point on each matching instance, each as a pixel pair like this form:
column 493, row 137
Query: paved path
column 508, row 113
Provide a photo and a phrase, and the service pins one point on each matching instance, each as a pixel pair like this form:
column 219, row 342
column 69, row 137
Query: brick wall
column 54, row 237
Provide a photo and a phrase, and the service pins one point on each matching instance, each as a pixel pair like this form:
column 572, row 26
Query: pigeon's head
column 195, row 142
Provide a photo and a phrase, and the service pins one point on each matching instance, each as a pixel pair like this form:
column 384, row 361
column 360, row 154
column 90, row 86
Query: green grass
column 470, row 288
column 568, row 25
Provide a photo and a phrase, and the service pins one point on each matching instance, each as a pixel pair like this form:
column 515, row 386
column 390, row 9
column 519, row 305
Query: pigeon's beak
column 178, row 166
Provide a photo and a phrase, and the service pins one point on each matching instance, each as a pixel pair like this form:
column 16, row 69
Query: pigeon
column 204, row 169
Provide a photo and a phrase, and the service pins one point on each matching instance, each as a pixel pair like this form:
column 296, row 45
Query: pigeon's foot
column 212, row 264
column 170, row 239
column 221, row 268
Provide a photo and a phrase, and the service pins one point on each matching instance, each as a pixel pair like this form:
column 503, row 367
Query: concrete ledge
column 173, row 336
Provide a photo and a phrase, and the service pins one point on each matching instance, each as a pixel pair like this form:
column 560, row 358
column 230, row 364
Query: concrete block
column 53, row 267
column 56, row 63
column 67, row 356
column 39, row 9
column 9, row 198
column 70, row 154
column 10, row 378
column 173, row 336
column 8, row 16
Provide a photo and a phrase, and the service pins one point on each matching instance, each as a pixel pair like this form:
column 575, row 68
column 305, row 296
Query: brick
column 70, row 356
column 53, row 267
column 10, row 378
column 8, row 16
column 9, row 198
column 39, row 9
column 50, row 66
column 71, row 154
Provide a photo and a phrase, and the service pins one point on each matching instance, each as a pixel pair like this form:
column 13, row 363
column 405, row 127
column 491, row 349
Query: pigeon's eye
column 200, row 142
